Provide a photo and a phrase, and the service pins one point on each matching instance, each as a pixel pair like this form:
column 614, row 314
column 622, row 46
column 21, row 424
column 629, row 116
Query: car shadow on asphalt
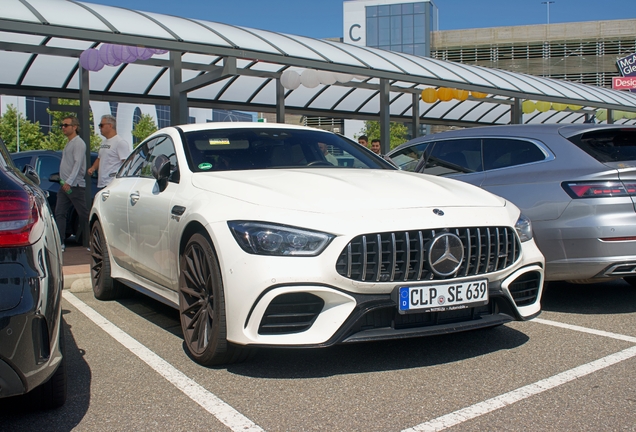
column 346, row 358
column 17, row 414
column 612, row 297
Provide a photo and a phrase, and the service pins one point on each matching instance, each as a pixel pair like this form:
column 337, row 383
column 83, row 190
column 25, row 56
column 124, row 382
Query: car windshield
column 614, row 145
column 271, row 148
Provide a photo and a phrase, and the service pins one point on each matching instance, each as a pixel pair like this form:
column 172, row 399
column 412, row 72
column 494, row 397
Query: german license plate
column 443, row 297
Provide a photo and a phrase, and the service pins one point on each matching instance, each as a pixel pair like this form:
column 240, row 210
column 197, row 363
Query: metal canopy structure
column 215, row 65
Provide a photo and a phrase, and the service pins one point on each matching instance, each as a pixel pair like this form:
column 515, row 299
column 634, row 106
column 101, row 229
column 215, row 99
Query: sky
column 323, row 18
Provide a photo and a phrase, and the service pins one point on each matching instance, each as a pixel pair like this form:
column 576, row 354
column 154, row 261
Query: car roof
column 521, row 131
column 241, row 125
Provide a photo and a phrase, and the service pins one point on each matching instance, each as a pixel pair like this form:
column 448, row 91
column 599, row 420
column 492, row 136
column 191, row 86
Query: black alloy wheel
column 202, row 306
column 104, row 287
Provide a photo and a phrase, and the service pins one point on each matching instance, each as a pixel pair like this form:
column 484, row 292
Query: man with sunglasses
column 72, row 172
column 112, row 153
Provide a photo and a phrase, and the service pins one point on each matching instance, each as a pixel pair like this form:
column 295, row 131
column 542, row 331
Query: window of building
column 398, row 27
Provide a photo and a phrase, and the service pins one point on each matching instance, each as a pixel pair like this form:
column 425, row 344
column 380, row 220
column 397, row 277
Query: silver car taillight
column 604, row 189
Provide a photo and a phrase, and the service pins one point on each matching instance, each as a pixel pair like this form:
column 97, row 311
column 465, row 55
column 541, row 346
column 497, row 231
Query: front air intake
column 291, row 313
column 525, row 288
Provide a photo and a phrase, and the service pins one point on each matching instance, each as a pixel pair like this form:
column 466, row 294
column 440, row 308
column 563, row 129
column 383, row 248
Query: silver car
column 576, row 183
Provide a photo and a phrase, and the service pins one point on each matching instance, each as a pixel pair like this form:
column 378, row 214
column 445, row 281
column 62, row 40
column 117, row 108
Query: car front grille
column 291, row 313
column 402, row 256
column 525, row 288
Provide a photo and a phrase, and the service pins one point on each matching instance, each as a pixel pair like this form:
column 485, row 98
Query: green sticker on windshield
column 205, row 166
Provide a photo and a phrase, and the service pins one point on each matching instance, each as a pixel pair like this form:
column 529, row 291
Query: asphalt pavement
column 77, row 268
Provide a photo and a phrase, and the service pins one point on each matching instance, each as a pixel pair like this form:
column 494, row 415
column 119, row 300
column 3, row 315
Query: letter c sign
column 355, row 39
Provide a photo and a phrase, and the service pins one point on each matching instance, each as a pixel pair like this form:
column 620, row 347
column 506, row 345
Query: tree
column 143, row 129
column 56, row 140
column 30, row 135
column 398, row 132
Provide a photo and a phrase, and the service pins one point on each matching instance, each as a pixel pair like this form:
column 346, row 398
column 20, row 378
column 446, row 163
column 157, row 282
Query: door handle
column 134, row 197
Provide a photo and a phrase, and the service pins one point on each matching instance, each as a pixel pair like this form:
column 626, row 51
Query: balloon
column 128, row 54
column 559, row 106
column 309, row 78
column 617, row 115
column 361, row 77
column 290, row 79
column 528, row 107
column 343, row 77
column 445, row 94
column 461, row 95
column 575, row 107
column 118, row 52
column 478, row 95
column 543, row 106
column 158, row 51
column 89, row 60
column 429, row 95
column 327, row 78
column 630, row 115
column 106, row 55
column 144, row 53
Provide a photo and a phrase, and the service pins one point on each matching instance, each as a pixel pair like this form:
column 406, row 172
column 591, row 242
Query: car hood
column 324, row 190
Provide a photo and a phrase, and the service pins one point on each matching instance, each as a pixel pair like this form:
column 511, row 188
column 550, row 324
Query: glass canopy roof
column 41, row 41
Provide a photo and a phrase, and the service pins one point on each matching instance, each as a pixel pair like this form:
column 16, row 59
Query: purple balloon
column 144, row 53
column 158, row 51
column 107, row 56
column 129, row 54
column 90, row 60
column 117, row 51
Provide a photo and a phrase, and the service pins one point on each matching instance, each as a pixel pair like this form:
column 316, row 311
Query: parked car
column 577, row 183
column 258, row 240
column 47, row 166
column 32, row 358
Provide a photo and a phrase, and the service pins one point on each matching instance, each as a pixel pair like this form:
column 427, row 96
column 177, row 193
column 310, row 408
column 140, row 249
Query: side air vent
column 291, row 313
column 525, row 288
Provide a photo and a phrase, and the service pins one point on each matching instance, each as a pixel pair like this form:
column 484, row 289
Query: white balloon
column 343, row 77
column 290, row 79
column 327, row 78
column 361, row 77
column 309, row 78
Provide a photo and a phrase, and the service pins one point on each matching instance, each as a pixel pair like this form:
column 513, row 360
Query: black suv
column 32, row 358
column 47, row 164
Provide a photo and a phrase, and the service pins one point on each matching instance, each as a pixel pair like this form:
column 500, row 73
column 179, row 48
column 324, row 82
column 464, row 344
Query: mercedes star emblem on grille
column 445, row 254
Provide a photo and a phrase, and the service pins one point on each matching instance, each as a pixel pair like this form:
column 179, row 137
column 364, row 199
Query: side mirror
column 54, row 178
column 161, row 171
column 31, row 174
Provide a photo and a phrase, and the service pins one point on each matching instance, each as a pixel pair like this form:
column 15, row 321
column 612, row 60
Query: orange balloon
column 461, row 95
column 445, row 94
column 478, row 95
column 429, row 95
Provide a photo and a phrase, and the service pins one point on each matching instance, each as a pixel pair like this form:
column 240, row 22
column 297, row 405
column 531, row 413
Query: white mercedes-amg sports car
column 277, row 235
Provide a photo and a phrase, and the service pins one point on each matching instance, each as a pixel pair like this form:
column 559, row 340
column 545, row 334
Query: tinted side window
column 407, row 158
column 47, row 165
column 20, row 162
column 132, row 166
column 614, row 145
column 455, row 156
column 505, row 152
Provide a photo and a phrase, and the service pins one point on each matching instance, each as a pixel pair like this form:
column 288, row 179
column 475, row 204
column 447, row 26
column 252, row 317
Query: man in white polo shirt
column 112, row 153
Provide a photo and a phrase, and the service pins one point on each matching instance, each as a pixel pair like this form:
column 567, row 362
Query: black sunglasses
column 102, row 124
column 65, row 125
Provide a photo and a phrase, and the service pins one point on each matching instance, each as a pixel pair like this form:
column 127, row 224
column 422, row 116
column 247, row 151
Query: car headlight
column 524, row 228
column 261, row 238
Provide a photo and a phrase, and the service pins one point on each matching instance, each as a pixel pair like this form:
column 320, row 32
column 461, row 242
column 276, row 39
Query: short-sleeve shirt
column 111, row 154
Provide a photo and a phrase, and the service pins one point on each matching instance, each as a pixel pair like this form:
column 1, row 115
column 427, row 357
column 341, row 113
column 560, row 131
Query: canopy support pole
column 415, row 111
column 385, row 117
column 610, row 116
column 280, row 102
column 516, row 113
column 178, row 99
column 85, row 134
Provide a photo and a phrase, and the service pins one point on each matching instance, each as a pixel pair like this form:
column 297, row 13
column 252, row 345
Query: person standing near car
column 112, row 153
column 376, row 147
column 72, row 172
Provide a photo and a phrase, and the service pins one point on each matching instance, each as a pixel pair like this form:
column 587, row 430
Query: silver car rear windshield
column 613, row 145
column 271, row 148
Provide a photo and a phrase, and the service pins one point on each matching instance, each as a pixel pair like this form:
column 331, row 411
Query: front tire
column 202, row 306
column 104, row 286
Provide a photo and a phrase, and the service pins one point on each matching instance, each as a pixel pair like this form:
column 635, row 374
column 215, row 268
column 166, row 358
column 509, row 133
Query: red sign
column 624, row 83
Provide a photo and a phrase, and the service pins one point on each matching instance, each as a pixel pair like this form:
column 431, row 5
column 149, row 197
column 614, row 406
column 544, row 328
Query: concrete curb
column 78, row 282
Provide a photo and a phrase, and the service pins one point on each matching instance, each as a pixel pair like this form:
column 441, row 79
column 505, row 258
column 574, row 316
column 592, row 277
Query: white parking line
column 211, row 403
column 493, row 404
column 586, row 330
